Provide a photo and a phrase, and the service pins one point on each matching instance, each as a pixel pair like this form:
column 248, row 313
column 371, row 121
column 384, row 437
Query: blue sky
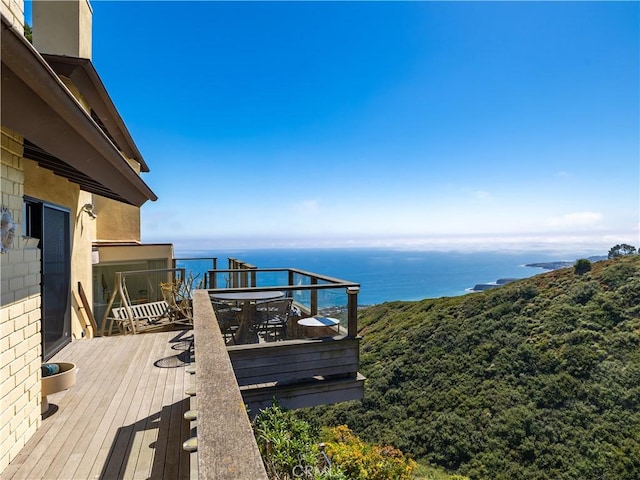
column 423, row 124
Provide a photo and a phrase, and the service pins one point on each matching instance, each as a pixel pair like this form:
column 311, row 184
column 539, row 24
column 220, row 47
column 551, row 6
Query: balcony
column 303, row 366
column 124, row 416
column 300, row 366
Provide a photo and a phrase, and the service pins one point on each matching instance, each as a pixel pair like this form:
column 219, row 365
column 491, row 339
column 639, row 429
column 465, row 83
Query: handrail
column 335, row 281
column 214, row 264
column 227, row 449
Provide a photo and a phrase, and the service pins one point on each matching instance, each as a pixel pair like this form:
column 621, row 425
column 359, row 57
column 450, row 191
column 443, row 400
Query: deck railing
column 227, row 448
column 312, row 365
column 312, row 294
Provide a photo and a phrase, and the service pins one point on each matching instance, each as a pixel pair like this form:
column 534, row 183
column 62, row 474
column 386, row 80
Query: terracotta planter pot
column 58, row 382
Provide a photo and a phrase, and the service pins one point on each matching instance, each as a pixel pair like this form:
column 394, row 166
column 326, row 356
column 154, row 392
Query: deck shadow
column 173, row 361
column 170, row 461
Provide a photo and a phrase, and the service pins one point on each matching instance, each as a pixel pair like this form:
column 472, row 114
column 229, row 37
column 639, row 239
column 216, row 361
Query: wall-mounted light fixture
column 88, row 208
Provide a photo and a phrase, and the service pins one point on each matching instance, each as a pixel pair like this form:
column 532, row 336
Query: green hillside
column 538, row 379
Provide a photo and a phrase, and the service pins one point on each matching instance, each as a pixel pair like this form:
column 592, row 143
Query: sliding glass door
column 51, row 225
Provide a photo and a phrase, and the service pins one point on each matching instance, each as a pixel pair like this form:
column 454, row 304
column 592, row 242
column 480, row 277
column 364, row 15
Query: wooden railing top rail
column 273, row 288
column 335, row 281
column 226, row 445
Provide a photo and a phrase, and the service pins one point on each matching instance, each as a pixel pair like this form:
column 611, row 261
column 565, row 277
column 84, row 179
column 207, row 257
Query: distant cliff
column 480, row 287
column 562, row 263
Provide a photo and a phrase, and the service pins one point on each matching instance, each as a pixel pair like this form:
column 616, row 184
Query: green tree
column 622, row 249
column 582, row 266
column 28, row 32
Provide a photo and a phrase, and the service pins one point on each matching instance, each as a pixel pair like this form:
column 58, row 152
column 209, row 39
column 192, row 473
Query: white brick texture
column 20, row 356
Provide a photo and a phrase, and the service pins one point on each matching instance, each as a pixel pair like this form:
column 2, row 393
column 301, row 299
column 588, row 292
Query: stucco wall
column 63, row 28
column 20, row 347
column 129, row 253
column 42, row 184
column 116, row 222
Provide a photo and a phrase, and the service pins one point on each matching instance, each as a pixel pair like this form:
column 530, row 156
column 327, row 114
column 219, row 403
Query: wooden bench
column 144, row 316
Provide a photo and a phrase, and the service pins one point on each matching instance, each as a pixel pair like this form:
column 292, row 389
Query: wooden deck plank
column 74, row 443
column 108, row 421
column 119, row 430
column 107, row 416
column 47, row 444
column 149, row 429
column 179, row 427
column 163, row 452
column 139, row 447
column 118, row 423
column 130, row 415
column 175, row 430
column 87, row 433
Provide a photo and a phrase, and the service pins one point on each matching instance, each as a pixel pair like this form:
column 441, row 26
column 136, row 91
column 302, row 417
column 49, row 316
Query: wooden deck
column 122, row 419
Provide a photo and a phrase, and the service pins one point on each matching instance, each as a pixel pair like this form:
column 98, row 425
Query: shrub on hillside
column 582, row 266
column 285, row 443
column 549, row 388
column 360, row 460
column 290, row 449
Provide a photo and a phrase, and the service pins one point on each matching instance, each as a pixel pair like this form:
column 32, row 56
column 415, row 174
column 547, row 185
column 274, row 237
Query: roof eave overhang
column 38, row 106
column 84, row 76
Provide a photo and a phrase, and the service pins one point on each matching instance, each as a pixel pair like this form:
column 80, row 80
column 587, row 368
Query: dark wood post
column 352, row 311
column 314, row 297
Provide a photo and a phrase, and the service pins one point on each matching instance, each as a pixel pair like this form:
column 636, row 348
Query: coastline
column 390, row 275
column 550, row 266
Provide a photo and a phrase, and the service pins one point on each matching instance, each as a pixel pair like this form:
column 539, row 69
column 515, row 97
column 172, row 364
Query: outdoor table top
column 248, row 295
column 318, row 322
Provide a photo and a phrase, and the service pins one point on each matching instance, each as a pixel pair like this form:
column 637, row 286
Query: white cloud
column 575, row 220
column 587, row 244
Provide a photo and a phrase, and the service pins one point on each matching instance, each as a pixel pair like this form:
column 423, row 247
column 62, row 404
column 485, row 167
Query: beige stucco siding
column 116, row 221
column 42, row 184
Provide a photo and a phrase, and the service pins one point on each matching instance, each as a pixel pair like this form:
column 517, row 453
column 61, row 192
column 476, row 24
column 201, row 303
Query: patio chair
column 272, row 319
column 227, row 316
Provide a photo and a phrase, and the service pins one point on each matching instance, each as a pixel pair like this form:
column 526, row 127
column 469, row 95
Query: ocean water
column 388, row 274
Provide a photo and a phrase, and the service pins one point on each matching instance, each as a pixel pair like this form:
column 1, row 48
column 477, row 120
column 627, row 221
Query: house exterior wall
column 42, row 184
column 116, row 221
column 129, row 253
column 20, row 267
column 14, row 11
column 20, row 347
column 63, row 28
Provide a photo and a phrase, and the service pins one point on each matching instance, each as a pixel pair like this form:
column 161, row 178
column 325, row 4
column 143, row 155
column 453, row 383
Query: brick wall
column 14, row 11
column 20, row 347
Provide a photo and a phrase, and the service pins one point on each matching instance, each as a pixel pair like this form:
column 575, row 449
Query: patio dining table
column 246, row 333
column 318, row 321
